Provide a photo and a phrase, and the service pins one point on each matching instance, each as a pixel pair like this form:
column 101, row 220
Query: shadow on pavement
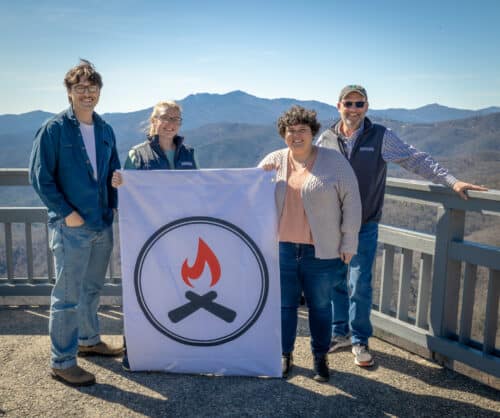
column 432, row 376
column 34, row 320
column 194, row 395
column 398, row 386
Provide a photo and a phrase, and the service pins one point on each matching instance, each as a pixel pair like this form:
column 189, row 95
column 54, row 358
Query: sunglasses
column 359, row 105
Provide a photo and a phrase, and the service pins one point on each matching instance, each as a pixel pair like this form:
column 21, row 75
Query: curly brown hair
column 297, row 115
column 85, row 69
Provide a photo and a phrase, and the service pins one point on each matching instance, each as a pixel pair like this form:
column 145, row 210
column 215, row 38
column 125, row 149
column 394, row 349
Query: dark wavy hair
column 297, row 115
column 85, row 69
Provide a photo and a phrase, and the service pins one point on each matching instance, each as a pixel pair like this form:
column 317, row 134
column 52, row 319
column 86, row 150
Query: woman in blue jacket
column 162, row 150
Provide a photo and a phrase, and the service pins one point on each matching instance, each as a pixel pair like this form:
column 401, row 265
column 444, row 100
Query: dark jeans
column 301, row 272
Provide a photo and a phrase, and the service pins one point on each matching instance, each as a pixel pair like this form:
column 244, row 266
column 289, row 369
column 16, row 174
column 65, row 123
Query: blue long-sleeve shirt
column 63, row 177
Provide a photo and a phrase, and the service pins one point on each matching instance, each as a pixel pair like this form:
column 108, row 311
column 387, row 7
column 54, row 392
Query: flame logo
column 205, row 255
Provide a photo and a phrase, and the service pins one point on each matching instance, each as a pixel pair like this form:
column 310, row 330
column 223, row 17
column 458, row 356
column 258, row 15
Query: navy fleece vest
column 150, row 156
column 370, row 168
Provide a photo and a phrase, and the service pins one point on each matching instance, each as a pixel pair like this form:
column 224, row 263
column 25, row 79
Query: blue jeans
column 353, row 313
column 301, row 272
column 81, row 259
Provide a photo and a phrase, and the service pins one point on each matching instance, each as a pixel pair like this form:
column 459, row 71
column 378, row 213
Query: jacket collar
column 365, row 126
column 70, row 114
column 155, row 140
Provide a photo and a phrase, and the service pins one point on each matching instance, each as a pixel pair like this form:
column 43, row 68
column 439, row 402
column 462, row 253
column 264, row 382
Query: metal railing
column 438, row 319
column 445, row 298
column 25, row 236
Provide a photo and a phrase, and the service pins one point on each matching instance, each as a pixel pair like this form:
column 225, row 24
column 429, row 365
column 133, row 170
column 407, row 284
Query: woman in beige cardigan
column 319, row 213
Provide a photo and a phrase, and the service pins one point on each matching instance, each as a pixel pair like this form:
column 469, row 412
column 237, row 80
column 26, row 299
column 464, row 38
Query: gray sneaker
column 339, row 342
column 362, row 356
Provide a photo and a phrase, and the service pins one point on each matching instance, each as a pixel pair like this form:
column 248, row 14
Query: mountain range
column 239, row 107
column 236, row 129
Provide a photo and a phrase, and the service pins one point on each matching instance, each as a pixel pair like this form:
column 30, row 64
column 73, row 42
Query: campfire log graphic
column 206, row 301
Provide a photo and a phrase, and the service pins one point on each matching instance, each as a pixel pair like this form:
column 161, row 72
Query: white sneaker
column 339, row 341
column 362, row 356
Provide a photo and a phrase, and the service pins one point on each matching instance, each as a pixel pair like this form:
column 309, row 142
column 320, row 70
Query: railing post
column 386, row 279
column 491, row 317
column 424, row 285
column 446, row 277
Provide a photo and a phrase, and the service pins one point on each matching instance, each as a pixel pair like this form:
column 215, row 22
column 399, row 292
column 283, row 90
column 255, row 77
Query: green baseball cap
column 351, row 88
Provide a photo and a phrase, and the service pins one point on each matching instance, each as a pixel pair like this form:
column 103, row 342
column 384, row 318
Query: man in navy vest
column 72, row 161
column 369, row 147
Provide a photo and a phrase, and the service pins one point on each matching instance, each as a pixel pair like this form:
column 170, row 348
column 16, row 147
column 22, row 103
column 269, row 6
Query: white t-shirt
column 89, row 142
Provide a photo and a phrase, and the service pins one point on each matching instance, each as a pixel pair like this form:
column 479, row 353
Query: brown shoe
column 100, row 349
column 73, row 376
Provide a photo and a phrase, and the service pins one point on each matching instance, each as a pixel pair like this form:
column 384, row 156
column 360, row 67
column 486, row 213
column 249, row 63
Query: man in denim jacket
column 72, row 161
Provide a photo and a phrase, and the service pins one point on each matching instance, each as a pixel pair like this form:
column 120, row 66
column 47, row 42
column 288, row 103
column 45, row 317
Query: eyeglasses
column 80, row 89
column 174, row 119
column 301, row 131
column 358, row 105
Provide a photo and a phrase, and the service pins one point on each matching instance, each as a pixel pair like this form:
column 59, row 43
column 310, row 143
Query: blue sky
column 406, row 53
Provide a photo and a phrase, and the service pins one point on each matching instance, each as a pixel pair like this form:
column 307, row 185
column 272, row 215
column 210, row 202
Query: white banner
column 199, row 258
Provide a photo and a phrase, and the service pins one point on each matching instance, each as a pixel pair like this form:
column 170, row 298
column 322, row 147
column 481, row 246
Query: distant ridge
column 25, row 121
column 431, row 113
column 240, row 107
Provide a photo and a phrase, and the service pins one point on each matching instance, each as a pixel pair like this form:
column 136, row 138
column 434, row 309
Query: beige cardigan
column 331, row 201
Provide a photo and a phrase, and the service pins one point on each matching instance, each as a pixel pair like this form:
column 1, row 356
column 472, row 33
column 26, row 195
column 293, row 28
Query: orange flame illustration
column 205, row 255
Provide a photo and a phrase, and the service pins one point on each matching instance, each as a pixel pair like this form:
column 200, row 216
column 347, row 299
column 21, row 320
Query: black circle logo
column 184, row 308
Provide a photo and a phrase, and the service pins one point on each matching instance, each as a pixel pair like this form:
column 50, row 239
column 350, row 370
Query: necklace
column 302, row 164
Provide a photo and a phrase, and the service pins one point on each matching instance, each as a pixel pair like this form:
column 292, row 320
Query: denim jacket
column 63, row 177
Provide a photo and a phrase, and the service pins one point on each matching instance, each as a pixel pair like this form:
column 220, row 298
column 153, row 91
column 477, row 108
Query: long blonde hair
column 159, row 109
